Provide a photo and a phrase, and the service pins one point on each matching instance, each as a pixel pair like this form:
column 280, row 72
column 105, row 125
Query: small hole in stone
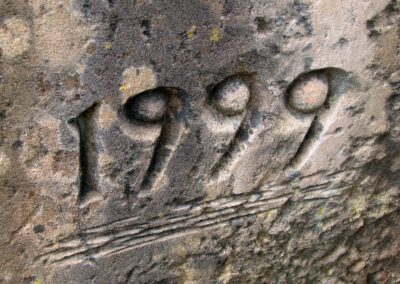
column 145, row 25
column 338, row 130
column 17, row 144
column 38, row 229
column 342, row 41
column 91, row 48
column 262, row 25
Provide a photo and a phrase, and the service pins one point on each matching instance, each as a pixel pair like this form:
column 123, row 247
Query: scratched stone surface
column 199, row 141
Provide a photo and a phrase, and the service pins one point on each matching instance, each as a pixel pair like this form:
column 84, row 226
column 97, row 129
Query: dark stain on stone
column 2, row 115
column 307, row 63
column 38, row 229
column 71, row 82
column 342, row 41
column 374, row 25
column 17, row 144
column 261, row 24
column 145, row 26
column 42, row 84
column 91, row 48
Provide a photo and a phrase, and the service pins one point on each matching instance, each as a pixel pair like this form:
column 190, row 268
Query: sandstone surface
column 199, row 141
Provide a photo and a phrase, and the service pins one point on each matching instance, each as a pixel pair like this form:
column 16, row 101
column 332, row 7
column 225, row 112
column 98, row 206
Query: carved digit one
column 119, row 158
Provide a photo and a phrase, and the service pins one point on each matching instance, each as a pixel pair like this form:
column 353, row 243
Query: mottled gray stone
column 199, row 141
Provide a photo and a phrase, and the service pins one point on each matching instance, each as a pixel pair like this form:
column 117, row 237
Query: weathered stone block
column 199, row 141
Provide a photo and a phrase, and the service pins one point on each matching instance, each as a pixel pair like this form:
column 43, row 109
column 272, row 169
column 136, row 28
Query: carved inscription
column 155, row 124
column 229, row 160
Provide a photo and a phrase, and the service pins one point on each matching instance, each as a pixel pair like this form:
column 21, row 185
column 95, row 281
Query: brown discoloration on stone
column 217, row 6
column 60, row 35
column 71, row 82
column 106, row 116
column 106, row 164
column 91, row 47
column 64, row 163
column 15, row 37
column 136, row 80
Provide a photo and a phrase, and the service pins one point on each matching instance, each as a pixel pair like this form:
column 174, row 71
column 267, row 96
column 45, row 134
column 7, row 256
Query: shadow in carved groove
column 155, row 121
column 89, row 187
column 227, row 106
column 140, row 110
column 323, row 88
column 289, row 135
column 161, row 115
column 166, row 107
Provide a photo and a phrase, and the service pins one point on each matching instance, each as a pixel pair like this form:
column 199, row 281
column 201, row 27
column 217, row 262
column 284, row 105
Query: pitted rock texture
column 230, row 96
column 309, row 92
column 200, row 141
column 149, row 106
